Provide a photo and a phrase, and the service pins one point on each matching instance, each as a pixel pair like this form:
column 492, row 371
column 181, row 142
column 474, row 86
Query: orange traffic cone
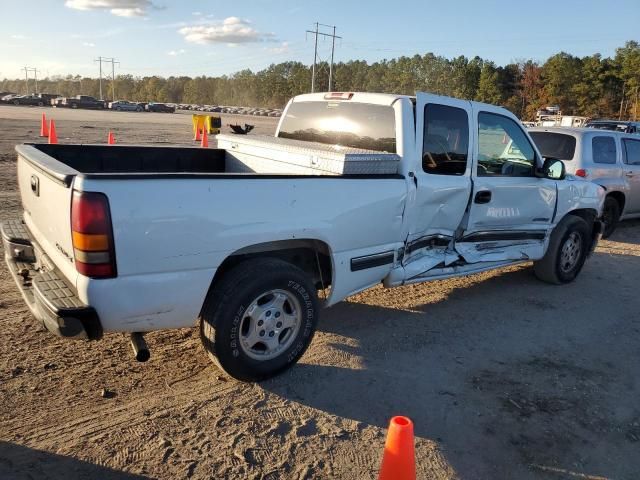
column 44, row 131
column 197, row 138
column 53, row 138
column 111, row 139
column 399, row 460
column 205, row 140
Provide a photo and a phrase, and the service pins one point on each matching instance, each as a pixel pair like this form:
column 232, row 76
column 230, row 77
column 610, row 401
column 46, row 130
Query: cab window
column 503, row 148
column 632, row 151
column 445, row 144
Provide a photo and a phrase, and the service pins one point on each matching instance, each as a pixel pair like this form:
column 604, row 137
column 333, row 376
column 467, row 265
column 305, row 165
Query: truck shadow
column 510, row 376
column 18, row 462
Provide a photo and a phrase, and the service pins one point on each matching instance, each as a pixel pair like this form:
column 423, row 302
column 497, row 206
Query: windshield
column 348, row 124
column 555, row 145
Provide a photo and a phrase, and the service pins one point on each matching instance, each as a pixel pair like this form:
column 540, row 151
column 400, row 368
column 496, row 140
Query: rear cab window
column 348, row 124
column 604, row 150
column 555, row 145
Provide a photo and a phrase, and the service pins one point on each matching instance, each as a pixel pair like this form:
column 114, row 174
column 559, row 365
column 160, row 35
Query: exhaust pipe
column 140, row 349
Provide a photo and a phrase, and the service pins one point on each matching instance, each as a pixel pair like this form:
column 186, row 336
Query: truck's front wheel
column 259, row 319
column 568, row 248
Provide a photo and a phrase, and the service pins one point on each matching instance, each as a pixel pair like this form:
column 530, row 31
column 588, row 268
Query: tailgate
column 45, row 190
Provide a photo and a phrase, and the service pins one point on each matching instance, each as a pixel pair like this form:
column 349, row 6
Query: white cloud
column 231, row 30
column 283, row 48
column 121, row 8
column 88, row 44
column 196, row 14
column 18, row 37
column 175, row 53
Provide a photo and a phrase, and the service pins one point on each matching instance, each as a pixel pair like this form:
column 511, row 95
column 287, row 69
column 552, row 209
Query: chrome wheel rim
column 570, row 253
column 270, row 324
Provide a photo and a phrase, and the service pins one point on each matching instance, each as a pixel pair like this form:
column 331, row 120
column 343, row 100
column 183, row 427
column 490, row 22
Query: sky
column 216, row 37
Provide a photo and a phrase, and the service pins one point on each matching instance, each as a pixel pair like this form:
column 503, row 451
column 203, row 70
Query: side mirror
column 553, row 169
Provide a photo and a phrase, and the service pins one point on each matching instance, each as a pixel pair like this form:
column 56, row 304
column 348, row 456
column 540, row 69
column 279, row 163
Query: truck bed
column 248, row 156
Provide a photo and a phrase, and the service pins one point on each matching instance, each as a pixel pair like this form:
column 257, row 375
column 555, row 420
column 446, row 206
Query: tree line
column 591, row 86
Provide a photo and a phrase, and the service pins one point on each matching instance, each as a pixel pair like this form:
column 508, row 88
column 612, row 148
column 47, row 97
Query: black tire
column 553, row 268
column 16, row 102
column 224, row 319
column 610, row 216
column 74, row 105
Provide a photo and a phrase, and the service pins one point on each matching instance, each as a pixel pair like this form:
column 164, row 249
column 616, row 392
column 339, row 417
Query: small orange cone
column 111, row 139
column 44, row 131
column 205, row 140
column 197, row 138
column 53, row 138
column 399, row 460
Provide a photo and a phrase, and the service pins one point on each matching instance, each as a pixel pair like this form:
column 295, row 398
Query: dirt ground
column 504, row 377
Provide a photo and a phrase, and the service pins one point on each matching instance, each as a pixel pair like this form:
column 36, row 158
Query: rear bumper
column 49, row 297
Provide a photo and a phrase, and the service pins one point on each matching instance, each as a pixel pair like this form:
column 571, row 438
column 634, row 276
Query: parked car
column 160, row 107
column 615, row 125
column 608, row 158
column 82, row 101
column 6, row 96
column 31, row 99
column 125, row 106
column 128, row 240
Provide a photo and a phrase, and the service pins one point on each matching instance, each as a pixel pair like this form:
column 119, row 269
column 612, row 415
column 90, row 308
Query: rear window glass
column 555, row 145
column 349, row 124
column 604, row 150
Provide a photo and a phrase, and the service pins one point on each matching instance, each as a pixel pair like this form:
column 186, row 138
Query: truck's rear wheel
column 259, row 319
column 567, row 251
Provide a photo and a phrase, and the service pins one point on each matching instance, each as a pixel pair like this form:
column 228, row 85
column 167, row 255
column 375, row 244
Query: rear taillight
column 92, row 235
column 581, row 172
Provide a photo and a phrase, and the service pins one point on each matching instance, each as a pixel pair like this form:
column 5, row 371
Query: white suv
column 610, row 159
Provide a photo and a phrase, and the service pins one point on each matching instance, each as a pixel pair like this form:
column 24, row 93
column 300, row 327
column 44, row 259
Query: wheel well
column 620, row 198
column 587, row 214
column 304, row 254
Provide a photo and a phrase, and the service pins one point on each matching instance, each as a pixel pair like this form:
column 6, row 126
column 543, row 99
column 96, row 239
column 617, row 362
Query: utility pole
column 99, row 60
column 113, row 79
column 26, row 78
column 333, row 46
column 333, row 36
column 113, row 62
column 35, row 77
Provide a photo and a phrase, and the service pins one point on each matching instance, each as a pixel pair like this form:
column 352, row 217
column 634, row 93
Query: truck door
column 511, row 209
column 442, row 176
column 631, row 157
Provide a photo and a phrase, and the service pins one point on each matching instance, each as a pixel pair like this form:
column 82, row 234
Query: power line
column 113, row 62
column 26, row 77
column 333, row 36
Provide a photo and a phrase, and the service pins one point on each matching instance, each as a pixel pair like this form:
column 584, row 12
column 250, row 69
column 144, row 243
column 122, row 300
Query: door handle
column 629, row 174
column 483, row 196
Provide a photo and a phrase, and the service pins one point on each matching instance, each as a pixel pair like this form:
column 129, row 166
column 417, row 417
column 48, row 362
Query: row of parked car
column 606, row 152
column 263, row 112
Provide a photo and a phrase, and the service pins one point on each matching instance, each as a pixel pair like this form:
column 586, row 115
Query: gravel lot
column 504, row 377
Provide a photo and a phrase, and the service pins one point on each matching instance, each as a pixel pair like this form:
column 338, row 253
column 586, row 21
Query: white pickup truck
column 253, row 237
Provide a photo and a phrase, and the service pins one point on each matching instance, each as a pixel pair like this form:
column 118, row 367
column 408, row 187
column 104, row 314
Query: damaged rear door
column 444, row 140
column 511, row 209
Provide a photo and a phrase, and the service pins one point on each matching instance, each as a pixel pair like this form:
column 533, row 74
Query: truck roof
column 381, row 98
column 577, row 131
